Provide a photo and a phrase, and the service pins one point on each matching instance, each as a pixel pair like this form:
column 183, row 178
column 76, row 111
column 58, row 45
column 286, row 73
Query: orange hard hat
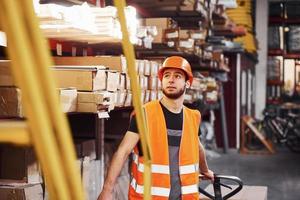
column 176, row 62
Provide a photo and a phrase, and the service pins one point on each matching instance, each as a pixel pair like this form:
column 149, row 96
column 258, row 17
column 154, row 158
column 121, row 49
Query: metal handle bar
column 217, row 186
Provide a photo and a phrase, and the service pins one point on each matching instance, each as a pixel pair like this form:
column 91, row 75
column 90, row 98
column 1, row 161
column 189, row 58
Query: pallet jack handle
column 217, row 186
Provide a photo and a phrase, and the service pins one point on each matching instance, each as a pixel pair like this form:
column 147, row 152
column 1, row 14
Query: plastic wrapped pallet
column 294, row 39
column 273, row 72
column 274, row 37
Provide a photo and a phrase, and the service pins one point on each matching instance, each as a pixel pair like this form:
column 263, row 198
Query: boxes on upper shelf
column 121, row 97
column 128, row 100
column 122, row 82
column 95, row 101
column 84, row 78
column 113, row 80
column 68, row 99
column 112, row 62
column 97, row 97
column 161, row 24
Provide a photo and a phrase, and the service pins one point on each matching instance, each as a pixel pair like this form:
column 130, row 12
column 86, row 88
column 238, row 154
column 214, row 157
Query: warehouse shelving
column 98, row 127
column 280, row 17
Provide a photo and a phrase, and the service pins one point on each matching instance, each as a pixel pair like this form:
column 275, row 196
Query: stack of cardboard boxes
column 102, row 81
column 20, row 175
column 187, row 40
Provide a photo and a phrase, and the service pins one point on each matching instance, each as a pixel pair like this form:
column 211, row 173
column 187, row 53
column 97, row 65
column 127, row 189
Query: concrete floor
column 280, row 172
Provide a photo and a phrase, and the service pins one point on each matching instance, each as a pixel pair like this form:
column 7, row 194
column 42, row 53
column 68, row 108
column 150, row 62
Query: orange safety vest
column 160, row 169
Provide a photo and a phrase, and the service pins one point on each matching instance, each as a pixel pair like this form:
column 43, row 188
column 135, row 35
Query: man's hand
column 209, row 174
column 105, row 195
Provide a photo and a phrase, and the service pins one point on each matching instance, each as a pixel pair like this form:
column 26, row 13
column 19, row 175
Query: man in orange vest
column 177, row 154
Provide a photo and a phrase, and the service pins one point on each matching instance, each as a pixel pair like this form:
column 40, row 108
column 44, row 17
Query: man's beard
column 174, row 95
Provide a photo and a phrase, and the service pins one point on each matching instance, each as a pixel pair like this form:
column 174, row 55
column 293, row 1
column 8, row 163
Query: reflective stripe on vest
column 159, row 169
column 188, row 169
column 158, row 191
column 189, row 189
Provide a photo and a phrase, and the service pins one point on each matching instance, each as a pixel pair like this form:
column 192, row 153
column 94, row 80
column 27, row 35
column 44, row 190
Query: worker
column 176, row 152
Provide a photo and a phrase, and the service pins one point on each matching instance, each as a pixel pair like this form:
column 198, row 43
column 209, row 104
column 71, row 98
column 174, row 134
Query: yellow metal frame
column 136, row 91
column 46, row 126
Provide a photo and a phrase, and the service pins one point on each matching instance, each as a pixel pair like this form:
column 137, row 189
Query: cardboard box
column 83, row 78
column 11, row 190
column 140, row 67
column 68, row 99
column 147, row 96
column 147, row 68
column 162, row 23
column 91, row 107
column 128, row 101
column 97, row 97
column 113, row 79
column 198, row 35
column 19, row 164
column 128, row 87
column 184, row 34
column 159, row 38
column 172, row 34
column 6, row 77
column 247, row 193
column 153, row 68
column 190, row 6
column 121, row 97
column 11, row 102
column 158, row 85
column 153, row 81
column 143, row 81
column 112, row 62
column 186, row 44
column 153, row 95
column 122, row 83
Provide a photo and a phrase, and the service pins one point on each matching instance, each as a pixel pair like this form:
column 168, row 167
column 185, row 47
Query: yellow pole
column 24, row 70
column 135, row 87
column 58, row 119
column 14, row 132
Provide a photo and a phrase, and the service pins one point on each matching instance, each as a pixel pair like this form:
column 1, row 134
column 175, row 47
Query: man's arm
column 128, row 143
column 203, row 164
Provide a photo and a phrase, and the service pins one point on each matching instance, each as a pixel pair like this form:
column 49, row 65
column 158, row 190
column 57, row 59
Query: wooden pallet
column 247, row 124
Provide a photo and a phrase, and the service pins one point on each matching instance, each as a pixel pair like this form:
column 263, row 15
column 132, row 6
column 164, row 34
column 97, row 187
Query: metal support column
column 223, row 119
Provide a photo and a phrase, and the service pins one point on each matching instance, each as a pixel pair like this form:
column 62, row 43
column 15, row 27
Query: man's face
column 174, row 83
